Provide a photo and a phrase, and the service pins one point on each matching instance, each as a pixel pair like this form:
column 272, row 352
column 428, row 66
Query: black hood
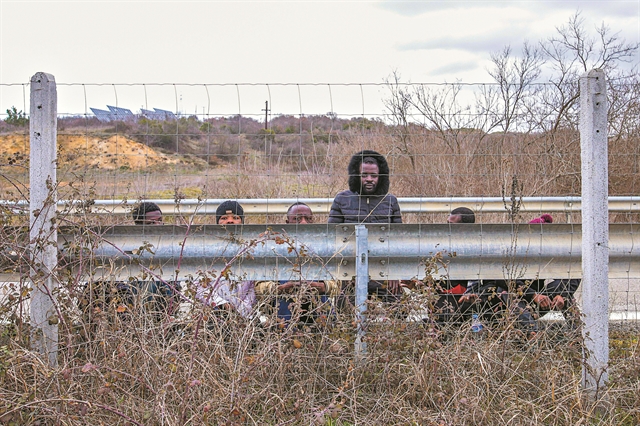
column 354, row 172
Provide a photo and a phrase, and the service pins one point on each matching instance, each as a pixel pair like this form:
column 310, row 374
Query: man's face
column 229, row 218
column 153, row 218
column 369, row 177
column 454, row 218
column 300, row 214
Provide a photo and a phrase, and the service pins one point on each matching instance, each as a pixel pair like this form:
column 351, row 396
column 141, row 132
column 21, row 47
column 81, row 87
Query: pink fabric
column 545, row 218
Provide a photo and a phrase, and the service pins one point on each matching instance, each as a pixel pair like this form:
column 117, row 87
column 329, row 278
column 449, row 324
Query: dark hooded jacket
column 352, row 207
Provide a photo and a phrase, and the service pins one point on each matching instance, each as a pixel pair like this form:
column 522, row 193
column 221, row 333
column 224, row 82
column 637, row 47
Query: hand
column 318, row 285
column 558, row 303
column 393, row 286
column 468, row 298
column 410, row 284
column 543, row 301
column 288, row 287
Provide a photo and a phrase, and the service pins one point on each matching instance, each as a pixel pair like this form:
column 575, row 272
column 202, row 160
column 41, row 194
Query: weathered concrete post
column 362, row 284
column 43, row 234
column 595, row 229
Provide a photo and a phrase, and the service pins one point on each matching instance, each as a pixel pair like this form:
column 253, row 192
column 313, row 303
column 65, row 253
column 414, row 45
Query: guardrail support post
column 43, row 234
column 595, row 230
column 362, row 284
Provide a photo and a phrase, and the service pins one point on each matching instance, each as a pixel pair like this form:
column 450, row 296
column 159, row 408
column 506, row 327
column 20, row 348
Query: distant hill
column 106, row 152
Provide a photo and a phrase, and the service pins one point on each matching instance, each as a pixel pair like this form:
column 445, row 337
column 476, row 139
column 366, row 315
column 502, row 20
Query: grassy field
column 120, row 365
column 202, row 369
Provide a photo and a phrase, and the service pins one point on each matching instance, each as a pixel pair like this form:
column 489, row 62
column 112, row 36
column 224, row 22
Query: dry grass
column 203, row 369
column 197, row 368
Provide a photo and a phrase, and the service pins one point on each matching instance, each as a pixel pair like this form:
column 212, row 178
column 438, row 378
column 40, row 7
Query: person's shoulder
column 344, row 194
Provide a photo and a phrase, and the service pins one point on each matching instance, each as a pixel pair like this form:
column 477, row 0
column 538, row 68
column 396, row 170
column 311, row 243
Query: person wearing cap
column 558, row 294
column 225, row 295
column 300, row 300
column 230, row 213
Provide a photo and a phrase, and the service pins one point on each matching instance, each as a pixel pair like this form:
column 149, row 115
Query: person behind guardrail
column 230, row 213
column 299, row 213
column 368, row 201
column 461, row 215
column 304, row 301
column 446, row 308
column 226, row 296
column 556, row 295
column 489, row 297
column 155, row 297
column 147, row 213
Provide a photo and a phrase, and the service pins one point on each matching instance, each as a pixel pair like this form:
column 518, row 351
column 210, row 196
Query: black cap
column 231, row 205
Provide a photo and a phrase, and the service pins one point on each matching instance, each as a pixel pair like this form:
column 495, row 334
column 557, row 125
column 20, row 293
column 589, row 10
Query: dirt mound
column 107, row 153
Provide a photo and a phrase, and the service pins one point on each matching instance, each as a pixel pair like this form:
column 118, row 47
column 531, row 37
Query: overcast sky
column 212, row 45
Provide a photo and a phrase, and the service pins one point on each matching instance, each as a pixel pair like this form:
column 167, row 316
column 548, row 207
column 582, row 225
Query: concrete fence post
column 362, row 284
column 595, row 229
column 43, row 237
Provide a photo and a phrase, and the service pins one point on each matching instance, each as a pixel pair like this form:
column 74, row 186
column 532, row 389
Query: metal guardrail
column 252, row 206
column 396, row 251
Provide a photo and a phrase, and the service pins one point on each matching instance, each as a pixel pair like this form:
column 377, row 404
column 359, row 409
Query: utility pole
column 266, row 114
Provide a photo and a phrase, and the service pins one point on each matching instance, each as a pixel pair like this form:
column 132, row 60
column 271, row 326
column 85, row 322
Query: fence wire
column 131, row 142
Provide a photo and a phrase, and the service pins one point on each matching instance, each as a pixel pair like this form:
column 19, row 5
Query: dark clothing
column 153, row 298
column 306, row 312
column 350, row 207
column 304, row 305
column 446, row 308
column 565, row 288
column 493, row 299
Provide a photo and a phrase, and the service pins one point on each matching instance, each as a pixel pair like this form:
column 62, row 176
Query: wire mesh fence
column 293, row 141
column 270, row 147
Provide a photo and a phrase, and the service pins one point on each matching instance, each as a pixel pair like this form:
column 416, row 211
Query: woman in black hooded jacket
column 367, row 200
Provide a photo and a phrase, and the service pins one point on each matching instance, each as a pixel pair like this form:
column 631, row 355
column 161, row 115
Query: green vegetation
column 16, row 118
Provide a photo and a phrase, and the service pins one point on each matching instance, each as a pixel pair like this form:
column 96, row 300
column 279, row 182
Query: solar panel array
column 124, row 114
column 158, row 114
